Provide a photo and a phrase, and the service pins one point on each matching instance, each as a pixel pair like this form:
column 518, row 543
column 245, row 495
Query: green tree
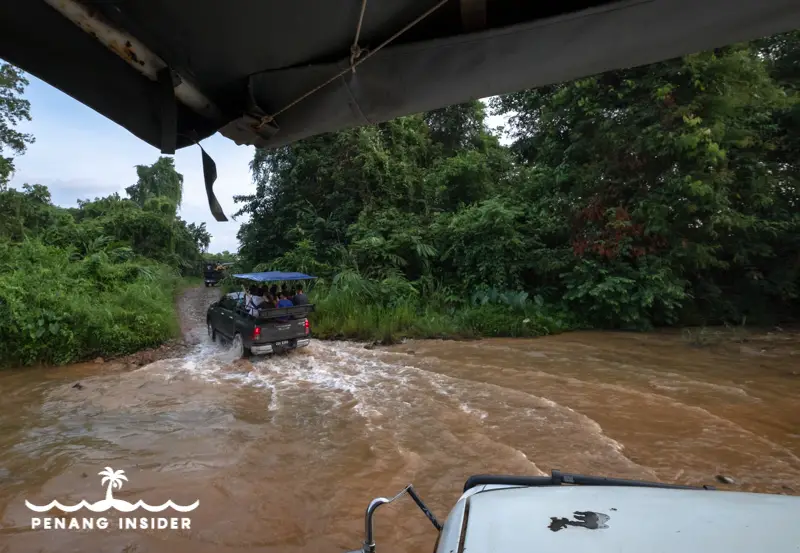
column 418, row 166
column 93, row 280
column 159, row 180
column 654, row 195
column 317, row 188
column 485, row 245
column 669, row 162
column 201, row 236
column 26, row 213
column 458, row 127
column 13, row 109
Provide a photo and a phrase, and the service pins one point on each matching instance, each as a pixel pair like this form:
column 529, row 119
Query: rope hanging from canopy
column 355, row 61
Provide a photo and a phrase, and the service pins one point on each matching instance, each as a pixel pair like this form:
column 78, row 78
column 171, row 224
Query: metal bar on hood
column 136, row 54
column 369, row 538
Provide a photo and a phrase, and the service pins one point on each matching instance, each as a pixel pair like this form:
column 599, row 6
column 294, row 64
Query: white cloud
column 233, row 178
column 78, row 153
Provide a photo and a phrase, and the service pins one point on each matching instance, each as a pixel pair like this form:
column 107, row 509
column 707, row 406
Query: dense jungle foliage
column 658, row 195
column 98, row 279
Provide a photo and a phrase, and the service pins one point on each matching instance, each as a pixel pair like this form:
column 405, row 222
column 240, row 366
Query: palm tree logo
column 114, row 479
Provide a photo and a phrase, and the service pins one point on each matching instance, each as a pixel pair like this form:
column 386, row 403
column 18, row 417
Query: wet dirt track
column 285, row 453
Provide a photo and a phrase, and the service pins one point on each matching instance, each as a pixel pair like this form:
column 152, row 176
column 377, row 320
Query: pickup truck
column 214, row 272
column 272, row 330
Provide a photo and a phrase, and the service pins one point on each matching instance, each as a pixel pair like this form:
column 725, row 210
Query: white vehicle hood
column 604, row 519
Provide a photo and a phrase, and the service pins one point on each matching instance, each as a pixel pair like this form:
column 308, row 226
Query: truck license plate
column 282, row 343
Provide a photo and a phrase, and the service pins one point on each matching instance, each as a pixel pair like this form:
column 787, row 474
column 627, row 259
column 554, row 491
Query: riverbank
column 341, row 318
column 136, row 321
column 365, row 310
column 190, row 304
column 388, row 325
column 96, row 280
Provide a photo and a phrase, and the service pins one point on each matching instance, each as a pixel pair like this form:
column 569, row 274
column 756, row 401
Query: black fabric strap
column 169, row 112
column 210, row 176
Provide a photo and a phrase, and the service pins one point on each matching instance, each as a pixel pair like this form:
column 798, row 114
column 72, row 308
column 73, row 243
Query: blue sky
column 78, row 153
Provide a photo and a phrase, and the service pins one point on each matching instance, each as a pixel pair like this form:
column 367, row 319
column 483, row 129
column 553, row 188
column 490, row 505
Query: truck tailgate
column 278, row 331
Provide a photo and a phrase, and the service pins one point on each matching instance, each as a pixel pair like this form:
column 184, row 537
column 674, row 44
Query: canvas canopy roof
column 271, row 72
column 274, row 276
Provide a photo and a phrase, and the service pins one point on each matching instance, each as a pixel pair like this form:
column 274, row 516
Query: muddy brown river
column 284, row 454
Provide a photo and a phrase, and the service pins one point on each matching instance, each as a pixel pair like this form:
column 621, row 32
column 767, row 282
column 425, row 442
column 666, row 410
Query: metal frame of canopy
column 160, row 70
column 273, row 276
column 276, row 276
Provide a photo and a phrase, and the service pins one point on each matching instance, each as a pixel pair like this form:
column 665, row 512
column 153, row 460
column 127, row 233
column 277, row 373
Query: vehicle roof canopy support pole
column 136, row 54
column 169, row 112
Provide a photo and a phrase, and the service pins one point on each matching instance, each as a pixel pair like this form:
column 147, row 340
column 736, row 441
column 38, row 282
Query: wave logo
column 113, row 479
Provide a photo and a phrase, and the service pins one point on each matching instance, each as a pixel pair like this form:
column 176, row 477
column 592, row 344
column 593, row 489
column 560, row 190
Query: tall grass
column 353, row 307
column 56, row 307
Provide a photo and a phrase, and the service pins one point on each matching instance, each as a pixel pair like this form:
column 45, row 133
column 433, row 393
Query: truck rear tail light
column 306, row 325
column 256, row 333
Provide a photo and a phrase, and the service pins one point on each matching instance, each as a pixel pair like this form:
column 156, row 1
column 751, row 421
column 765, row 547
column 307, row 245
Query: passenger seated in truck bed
column 256, row 302
column 284, row 302
column 299, row 297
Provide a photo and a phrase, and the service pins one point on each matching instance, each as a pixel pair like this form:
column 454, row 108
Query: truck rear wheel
column 238, row 346
column 211, row 333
